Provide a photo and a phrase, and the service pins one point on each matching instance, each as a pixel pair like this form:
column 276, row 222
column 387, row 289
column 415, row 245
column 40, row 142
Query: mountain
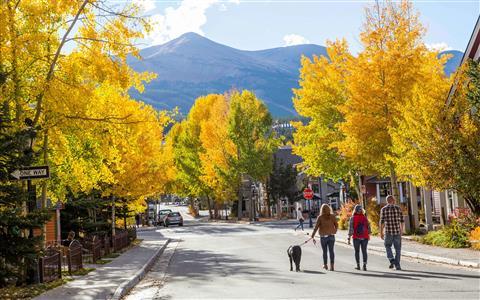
column 192, row 65
column 453, row 63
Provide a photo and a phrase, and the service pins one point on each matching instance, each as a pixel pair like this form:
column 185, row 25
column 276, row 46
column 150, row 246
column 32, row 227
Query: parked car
column 173, row 218
column 162, row 214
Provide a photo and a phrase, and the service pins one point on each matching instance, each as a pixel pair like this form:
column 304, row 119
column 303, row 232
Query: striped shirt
column 391, row 215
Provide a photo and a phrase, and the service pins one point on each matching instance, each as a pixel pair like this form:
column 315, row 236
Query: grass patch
column 30, row 291
column 102, row 261
column 112, row 255
column 136, row 242
column 80, row 272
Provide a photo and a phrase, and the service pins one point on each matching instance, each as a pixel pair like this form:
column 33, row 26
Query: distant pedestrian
column 327, row 228
column 359, row 229
column 137, row 220
column 300, row 219
column 391, row 228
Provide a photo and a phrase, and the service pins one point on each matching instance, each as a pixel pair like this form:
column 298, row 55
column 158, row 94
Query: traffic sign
column 36, row 172
column 308, row 193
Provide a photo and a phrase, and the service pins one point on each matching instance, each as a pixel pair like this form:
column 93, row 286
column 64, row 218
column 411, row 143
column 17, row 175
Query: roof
column 285, row 156
column 472, row 52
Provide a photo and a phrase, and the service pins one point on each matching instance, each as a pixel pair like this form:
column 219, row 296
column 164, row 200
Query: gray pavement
column 234, row 261
column 102, row 283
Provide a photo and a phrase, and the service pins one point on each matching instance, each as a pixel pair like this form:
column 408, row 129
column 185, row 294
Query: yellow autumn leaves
column 223, row 138
column 64, row 66
column 383, row 110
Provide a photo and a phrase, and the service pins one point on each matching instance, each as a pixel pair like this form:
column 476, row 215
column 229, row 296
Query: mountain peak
column 191, row 36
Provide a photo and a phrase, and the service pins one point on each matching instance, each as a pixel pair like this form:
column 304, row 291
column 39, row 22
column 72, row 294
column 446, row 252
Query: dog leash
column 306, row 241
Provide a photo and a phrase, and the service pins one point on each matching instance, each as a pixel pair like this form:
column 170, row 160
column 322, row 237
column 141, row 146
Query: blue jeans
column 300, row 225
column 327, row 244
column 396, row 240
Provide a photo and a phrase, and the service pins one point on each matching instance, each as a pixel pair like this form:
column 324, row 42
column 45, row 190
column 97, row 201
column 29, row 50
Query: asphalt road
column 233, row 261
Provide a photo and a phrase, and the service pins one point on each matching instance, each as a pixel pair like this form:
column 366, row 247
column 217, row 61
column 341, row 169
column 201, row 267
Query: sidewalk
column 413, row 249
column 102, row 283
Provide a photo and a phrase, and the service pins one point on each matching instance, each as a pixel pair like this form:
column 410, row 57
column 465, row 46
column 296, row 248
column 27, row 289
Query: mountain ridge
column 192, row 65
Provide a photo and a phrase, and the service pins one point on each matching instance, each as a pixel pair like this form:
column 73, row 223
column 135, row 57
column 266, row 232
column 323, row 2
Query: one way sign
column 31, row 173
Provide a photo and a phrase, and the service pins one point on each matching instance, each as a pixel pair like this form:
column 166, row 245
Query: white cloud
column 438, row 46
column 145, row 5
column 223, row 7
column 294, row 39
column 190, row 16
column 235, row 1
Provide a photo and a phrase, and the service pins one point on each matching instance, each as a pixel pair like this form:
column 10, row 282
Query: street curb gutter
column 432, row 258
column 128, row 284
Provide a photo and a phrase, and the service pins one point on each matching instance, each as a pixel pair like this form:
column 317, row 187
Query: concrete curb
column 432, row 258
column 128, row 284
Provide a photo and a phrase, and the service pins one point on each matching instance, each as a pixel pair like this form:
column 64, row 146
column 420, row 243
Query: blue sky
column 261, row 24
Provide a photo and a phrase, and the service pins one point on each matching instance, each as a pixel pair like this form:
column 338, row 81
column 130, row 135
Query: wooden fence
column 132, row 234
column 106, row 245
column 94, row 245
column 50, row 265
column 74, row 256
column 120, row 240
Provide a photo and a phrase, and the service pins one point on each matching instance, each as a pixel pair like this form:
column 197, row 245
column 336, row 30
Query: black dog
column 295, row 254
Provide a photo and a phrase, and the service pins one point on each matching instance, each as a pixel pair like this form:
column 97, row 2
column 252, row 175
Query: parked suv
column 173, row 218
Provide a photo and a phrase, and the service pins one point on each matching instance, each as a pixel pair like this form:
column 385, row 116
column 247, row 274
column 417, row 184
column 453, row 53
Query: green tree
column 249, row 128
column 438, row 144
column 282, row 183
column 19, row 248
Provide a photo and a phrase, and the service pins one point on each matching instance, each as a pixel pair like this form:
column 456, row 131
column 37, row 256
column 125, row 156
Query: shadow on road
column 441, row 275
column 413, row 275
column 209, row 229
column 379, row 275
column 312, row 272
column 206, row 265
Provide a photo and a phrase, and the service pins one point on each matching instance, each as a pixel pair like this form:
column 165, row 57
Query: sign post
column 308, row 195
column 28, row 173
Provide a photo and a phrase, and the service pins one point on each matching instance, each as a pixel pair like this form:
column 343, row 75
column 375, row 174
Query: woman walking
column 359, row 228
column 327, row 228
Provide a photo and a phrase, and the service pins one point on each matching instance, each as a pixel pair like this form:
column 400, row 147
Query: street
column 219, row 261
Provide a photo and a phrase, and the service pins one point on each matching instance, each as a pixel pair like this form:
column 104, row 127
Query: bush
column 192, row 211
column 345, row 213
column 457, row 234
column 474, row 238
column 451, row 236
column 373, row 214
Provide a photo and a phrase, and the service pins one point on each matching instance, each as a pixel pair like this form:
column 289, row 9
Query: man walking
column 391, row 229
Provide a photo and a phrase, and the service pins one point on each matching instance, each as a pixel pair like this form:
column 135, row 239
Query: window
column 384, row 189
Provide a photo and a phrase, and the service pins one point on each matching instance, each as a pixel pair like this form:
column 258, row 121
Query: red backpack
column 360, row 227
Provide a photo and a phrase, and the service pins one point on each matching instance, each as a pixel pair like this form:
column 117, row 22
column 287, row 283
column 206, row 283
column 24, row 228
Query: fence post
column 41, row 268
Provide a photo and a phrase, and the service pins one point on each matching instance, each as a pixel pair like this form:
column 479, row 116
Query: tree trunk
column 473, row 204
column 209, row 206
column 215, row 210
column 279, row 210
column 240, row 200
column 356, row 185
column 125, row 209
column 113, row 216
column 393, row 181
column 269, row 209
